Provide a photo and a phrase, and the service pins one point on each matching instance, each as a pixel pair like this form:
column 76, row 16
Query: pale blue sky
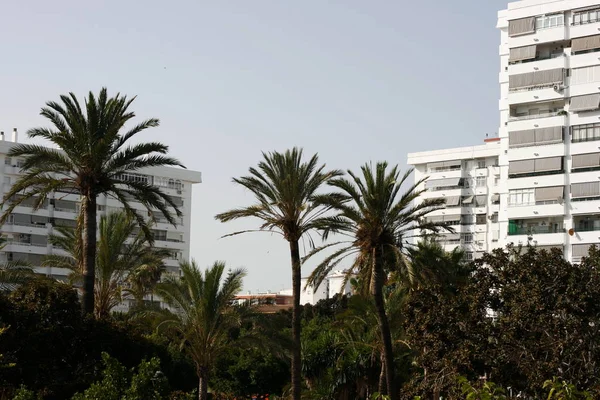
column 352, row 80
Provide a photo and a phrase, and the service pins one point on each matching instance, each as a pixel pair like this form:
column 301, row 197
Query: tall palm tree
column 285, row 189
column 378, row 219
column 122, row 252
column 203, row 314
column 91, row 159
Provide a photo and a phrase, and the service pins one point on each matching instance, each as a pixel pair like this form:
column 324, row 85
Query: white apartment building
column 547, row 178
column 468, row 178
column 333, row 284
column 550, row 123
column 27, row 231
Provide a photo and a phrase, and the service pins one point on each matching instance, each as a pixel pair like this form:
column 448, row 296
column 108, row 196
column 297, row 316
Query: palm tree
column 203, row 313
column 285, row 188
column 91, row 160
column 378, row 220
column 122, row 253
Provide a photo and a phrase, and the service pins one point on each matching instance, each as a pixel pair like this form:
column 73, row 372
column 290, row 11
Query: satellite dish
column 571, row 232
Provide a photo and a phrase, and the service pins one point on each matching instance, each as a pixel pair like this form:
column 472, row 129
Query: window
column 467, row 219
column 480, row 163
column 481, row 181
column 469, row 256
column 521, row 197
column 585, row 133
column 7, row 161
column 130, row 177
column 480, row 219
column 549, row 21
column 586, row 17
column 496, row 181
column 467, row 238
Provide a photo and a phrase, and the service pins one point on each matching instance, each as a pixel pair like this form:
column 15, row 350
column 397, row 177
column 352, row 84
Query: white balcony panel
column 587, row 176
column 62, row 272
column 585, row 88
column 546, row 239
column 530, row 96
column 24, row 248
column 576, row 31
column 585, row 207
column 590, row 117
column 535, row 211
column 541, row 65
column 536, row 181
column 169, row 245
column 446, row 211
column 539, row 37
column 480, row 190
column 585, row 147
column 441, row 193
column 544, row 122
column 526, row 153
column 42, row 212
column 12, row 170
column 444, row 174
column 10, row 228
column 585, row 237
column 585, row 60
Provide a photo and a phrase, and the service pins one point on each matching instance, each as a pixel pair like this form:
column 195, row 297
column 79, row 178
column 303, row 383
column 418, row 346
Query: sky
column 353, row 80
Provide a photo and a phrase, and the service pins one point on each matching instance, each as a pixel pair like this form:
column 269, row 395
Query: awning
column 481, row 200
column 521, row 26
column 585, row 103
column 38, row 219
column 450, row 236
column 173, row 235
column 549, row 193
column 552, row 134
column 521, row 138
column 444, row 164
column 448, row 182
column 537, row 78
column 522, row 53
column 585, row 43
column 586, row 160
column 39, row 240
column 22, row 218
column 468, row 200
column 586, row 189
column 548, row 164
column 582, row 250
column 452, row 201
column 521, row 167
column 495, row 198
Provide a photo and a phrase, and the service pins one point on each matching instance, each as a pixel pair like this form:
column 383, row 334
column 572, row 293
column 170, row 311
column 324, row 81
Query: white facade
column 549, row 131
column 548, row 150
column 468, row 178
column 311, row 295
column 336, row 284
column 27, row 231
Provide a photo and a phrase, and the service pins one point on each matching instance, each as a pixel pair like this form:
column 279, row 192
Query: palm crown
column 91, row 159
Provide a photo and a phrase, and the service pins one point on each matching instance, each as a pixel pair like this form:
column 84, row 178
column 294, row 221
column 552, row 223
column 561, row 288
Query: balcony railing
column 535, row 116
column 538, row 230
column 586, row 228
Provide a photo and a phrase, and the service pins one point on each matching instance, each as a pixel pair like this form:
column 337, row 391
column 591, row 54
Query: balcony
column 535, row 94
column 537, row 230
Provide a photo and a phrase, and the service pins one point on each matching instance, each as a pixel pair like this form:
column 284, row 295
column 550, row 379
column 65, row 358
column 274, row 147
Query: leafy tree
column 42, row 312
column 204, row 315
column 285, row 188
column 123, row 255
column 90, row 160
column 378, row 220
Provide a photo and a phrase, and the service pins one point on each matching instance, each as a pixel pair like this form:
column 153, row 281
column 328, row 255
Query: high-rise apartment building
column 548, row 176
column 468, row 178
column 550, row 123
column 27, row 231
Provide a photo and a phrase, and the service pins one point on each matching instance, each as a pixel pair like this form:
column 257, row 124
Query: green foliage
column 147, row 383
column 25, row 394
column 562, row 390
column 486, row 391
column 44, row 312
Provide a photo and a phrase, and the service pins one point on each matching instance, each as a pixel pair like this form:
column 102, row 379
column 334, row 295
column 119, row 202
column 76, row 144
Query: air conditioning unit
column 558, row 88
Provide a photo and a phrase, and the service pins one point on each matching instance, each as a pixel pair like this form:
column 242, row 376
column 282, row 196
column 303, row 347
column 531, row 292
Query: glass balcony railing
column 538, row 230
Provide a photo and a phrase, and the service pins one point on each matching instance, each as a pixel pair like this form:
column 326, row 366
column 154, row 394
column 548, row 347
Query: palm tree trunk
column 89, row 253
column 296, row 362
column 382, row 383
column 202, row 384
column 384, row 327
